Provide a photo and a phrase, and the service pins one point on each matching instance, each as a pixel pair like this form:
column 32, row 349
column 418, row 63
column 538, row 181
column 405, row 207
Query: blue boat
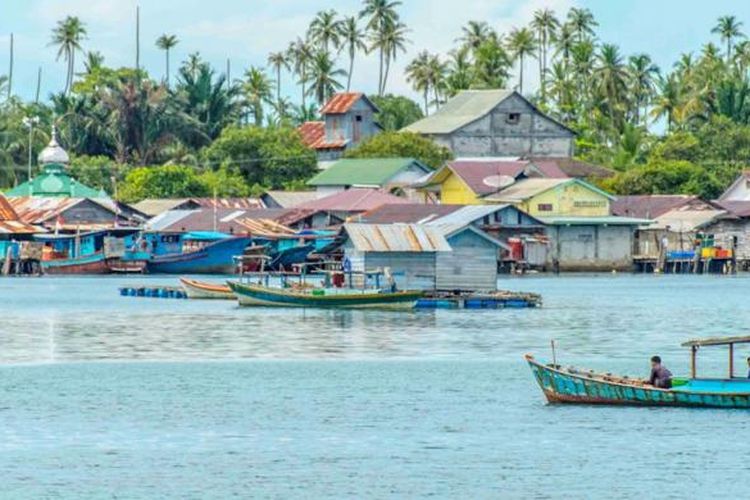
column 96, row 252
column 571, row 385
column 198, row 252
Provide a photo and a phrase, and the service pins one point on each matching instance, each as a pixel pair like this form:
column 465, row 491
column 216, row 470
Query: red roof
column 651, row 205
column 341, row 103
column 6, row 210
column 737, row 208
column 475, row 172
column 353, row 200
column 314, row 136
column 411, row 213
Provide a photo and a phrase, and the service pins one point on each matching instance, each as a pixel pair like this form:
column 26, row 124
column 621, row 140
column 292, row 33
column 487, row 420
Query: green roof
column 368, row 172
column 610, row 220
column 54, row 182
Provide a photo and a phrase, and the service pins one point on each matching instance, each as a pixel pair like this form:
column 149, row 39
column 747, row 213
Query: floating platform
column 153, row 291
column 494, row 300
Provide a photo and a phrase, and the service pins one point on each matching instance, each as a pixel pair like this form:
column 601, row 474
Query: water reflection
column 599, row 317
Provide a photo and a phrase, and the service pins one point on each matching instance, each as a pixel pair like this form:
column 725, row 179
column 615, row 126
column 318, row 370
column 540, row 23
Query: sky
column 245, row 31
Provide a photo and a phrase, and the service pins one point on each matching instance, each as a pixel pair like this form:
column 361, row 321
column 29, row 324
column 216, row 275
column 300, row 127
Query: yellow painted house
column 555, row 198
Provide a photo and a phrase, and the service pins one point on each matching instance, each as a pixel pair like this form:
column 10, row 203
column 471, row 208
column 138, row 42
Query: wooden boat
column 201, row 290
column 199, row 253
column 571, row 385
column 258, row 295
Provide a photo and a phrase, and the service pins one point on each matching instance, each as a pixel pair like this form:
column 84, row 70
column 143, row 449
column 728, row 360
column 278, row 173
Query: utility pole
column 30, row 122
column 229, row 74
column 38, row 84
column 10, row 71
column 138, row 38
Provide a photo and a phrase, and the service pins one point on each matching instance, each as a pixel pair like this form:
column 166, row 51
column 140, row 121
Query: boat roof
column 717, row 341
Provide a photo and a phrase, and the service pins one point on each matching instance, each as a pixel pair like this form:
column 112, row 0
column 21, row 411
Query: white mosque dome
column 53, row 153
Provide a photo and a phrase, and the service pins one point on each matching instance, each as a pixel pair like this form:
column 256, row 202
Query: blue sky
column 246, row 30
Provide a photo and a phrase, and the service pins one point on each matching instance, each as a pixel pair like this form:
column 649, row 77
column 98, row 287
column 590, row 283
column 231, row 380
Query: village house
column 583, row 234
column 286, row 199
column 523, row 237
column 155, row 206
column 468, row 181
column 495, row 123
column 12, row 230
column 419, row 256
column 351, row 203
column 388, row 174
column 75, row 214
column 348, row 119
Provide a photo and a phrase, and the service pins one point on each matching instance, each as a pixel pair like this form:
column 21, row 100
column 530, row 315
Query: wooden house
column 348, row 119
column 387, row 174
column 495, row 123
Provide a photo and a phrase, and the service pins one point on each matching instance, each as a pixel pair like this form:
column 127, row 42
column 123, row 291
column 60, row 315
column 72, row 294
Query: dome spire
column 53, row 153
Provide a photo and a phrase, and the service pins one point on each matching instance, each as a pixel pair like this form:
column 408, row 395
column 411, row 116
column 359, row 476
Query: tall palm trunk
column 10, row 71
column 351, row 70
column 426, row 100
column 385, row 74
column 520, row 73
column 278, row 84
column 380, row 74
column 167, row 51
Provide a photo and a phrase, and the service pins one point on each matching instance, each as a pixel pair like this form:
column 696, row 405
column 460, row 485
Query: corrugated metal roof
column 396, row 238
column 288, row 199
column 525, row 189
column 610, row 220
column 737, row 208
column 570, row 167
column 651, row 205
column 6, row 210
column 354, row 200
column 155, row 206
column 236, row 203
column 468, row 214
column 167, row 219
column 340, row 103
column 409, row 213
column 18, row 227
column 479, row 175
column 686, row 220
column 466, row 107
column 314, row 136
column 375, row 172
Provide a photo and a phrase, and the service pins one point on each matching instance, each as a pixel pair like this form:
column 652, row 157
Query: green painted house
column 53, row 181
column 376, row 173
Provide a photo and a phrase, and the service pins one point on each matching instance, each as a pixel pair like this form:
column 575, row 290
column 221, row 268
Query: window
column 513, row 118
column 589, row 203
column 544, row 207
column 358, row 118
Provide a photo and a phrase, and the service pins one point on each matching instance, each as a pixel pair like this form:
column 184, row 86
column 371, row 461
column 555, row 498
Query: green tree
column 545, row 24
column 168, row 181
column 396, row 112
column 325, row 30
column 521, row 44
column 728, row 28
column 582, row 22
column 266, row 157
column 257, row 92
column 67, row 36
column 353, row 41
column 278, row 61
column 402, row 145
column 382, row 24
column 323, row 77
column 167, row 43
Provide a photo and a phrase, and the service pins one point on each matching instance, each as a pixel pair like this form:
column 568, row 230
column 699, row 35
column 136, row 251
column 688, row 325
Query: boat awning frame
column 717, row 341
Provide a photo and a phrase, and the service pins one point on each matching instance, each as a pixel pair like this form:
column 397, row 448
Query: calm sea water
column 110, row 397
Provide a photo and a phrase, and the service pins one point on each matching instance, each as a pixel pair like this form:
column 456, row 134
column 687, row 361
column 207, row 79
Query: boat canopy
column 717, row 341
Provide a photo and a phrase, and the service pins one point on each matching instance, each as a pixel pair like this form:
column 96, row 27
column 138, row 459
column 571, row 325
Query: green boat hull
column 260, row 296
column 572, row 386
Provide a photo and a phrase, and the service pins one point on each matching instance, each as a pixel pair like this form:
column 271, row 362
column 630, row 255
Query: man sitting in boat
column 660, row 376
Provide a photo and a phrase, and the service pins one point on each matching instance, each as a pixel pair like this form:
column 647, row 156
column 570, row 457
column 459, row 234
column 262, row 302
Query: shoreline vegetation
column 197, row 131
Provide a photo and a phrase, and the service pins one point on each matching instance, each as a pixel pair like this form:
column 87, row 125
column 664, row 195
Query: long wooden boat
column 95, row 263
column 195, row 289
column 571, row 385
column 213, row 258
column 262, row 296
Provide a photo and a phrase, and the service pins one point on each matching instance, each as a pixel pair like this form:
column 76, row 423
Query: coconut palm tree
column 380, row 15
column 94, row 61
column 256, row 88
column 167, row 43
column 642, row 73
column 668, row 100
column 611, row 82
column 389, row 41
column 582, row 22
column 278, row 61
column 728, row 28
column 323, row 77
column 461, row 71
column 564, row 41
column 491, row 65
column 353, row 41
column 300, row 54
column 545, row 24
column 418, row 75
column 325, row 30
column 521, row 43
column 67, row 36
column 474, row 33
